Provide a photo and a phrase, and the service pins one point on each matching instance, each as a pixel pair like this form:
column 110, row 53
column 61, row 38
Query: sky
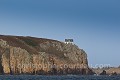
column 93, row 24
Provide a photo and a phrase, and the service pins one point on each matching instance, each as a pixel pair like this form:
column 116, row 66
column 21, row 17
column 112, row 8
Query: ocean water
column 64, row 77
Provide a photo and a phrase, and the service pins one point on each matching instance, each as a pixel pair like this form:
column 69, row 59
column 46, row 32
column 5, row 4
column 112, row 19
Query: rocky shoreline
column 111, row 71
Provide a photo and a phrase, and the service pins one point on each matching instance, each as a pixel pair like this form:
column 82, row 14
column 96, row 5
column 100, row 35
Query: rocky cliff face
column 29, row 55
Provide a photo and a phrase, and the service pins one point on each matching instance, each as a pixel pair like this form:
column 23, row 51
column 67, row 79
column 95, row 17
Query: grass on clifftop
column 30, row 42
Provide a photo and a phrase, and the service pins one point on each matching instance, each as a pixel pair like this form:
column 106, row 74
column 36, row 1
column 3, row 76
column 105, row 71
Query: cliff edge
column 30, row 55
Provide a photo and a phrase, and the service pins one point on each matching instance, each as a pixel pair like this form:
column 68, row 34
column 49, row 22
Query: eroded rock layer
column 29, row 55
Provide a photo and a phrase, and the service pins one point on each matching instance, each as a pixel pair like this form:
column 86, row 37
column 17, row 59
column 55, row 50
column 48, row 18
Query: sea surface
column 64, row 77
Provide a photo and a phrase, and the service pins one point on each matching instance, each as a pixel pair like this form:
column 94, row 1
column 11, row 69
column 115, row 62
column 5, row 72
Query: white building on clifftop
column 69, row 41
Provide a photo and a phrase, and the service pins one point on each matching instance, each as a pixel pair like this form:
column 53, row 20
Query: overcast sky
column 93, row 24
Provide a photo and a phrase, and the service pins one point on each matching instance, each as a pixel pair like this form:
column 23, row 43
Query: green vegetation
column 30, row 42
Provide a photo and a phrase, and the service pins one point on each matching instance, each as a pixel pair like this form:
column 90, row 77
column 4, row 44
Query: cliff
column 30, row 55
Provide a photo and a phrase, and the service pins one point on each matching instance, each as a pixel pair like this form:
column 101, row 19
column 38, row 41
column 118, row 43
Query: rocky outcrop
column 29, row 55
column 103, row 72
column 109, row 70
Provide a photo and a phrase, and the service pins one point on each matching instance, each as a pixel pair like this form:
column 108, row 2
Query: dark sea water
column 64, row 77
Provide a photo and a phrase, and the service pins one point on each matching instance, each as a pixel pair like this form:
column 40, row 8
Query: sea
column 57, row 77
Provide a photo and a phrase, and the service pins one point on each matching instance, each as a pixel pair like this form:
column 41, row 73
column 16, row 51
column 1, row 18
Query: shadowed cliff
column 30, row 55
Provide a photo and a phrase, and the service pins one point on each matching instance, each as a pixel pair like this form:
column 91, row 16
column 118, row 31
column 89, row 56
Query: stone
column 29, row 55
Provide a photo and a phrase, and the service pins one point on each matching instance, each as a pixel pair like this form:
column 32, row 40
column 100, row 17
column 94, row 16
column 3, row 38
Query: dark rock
column 103, row 73
column 114, row 74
